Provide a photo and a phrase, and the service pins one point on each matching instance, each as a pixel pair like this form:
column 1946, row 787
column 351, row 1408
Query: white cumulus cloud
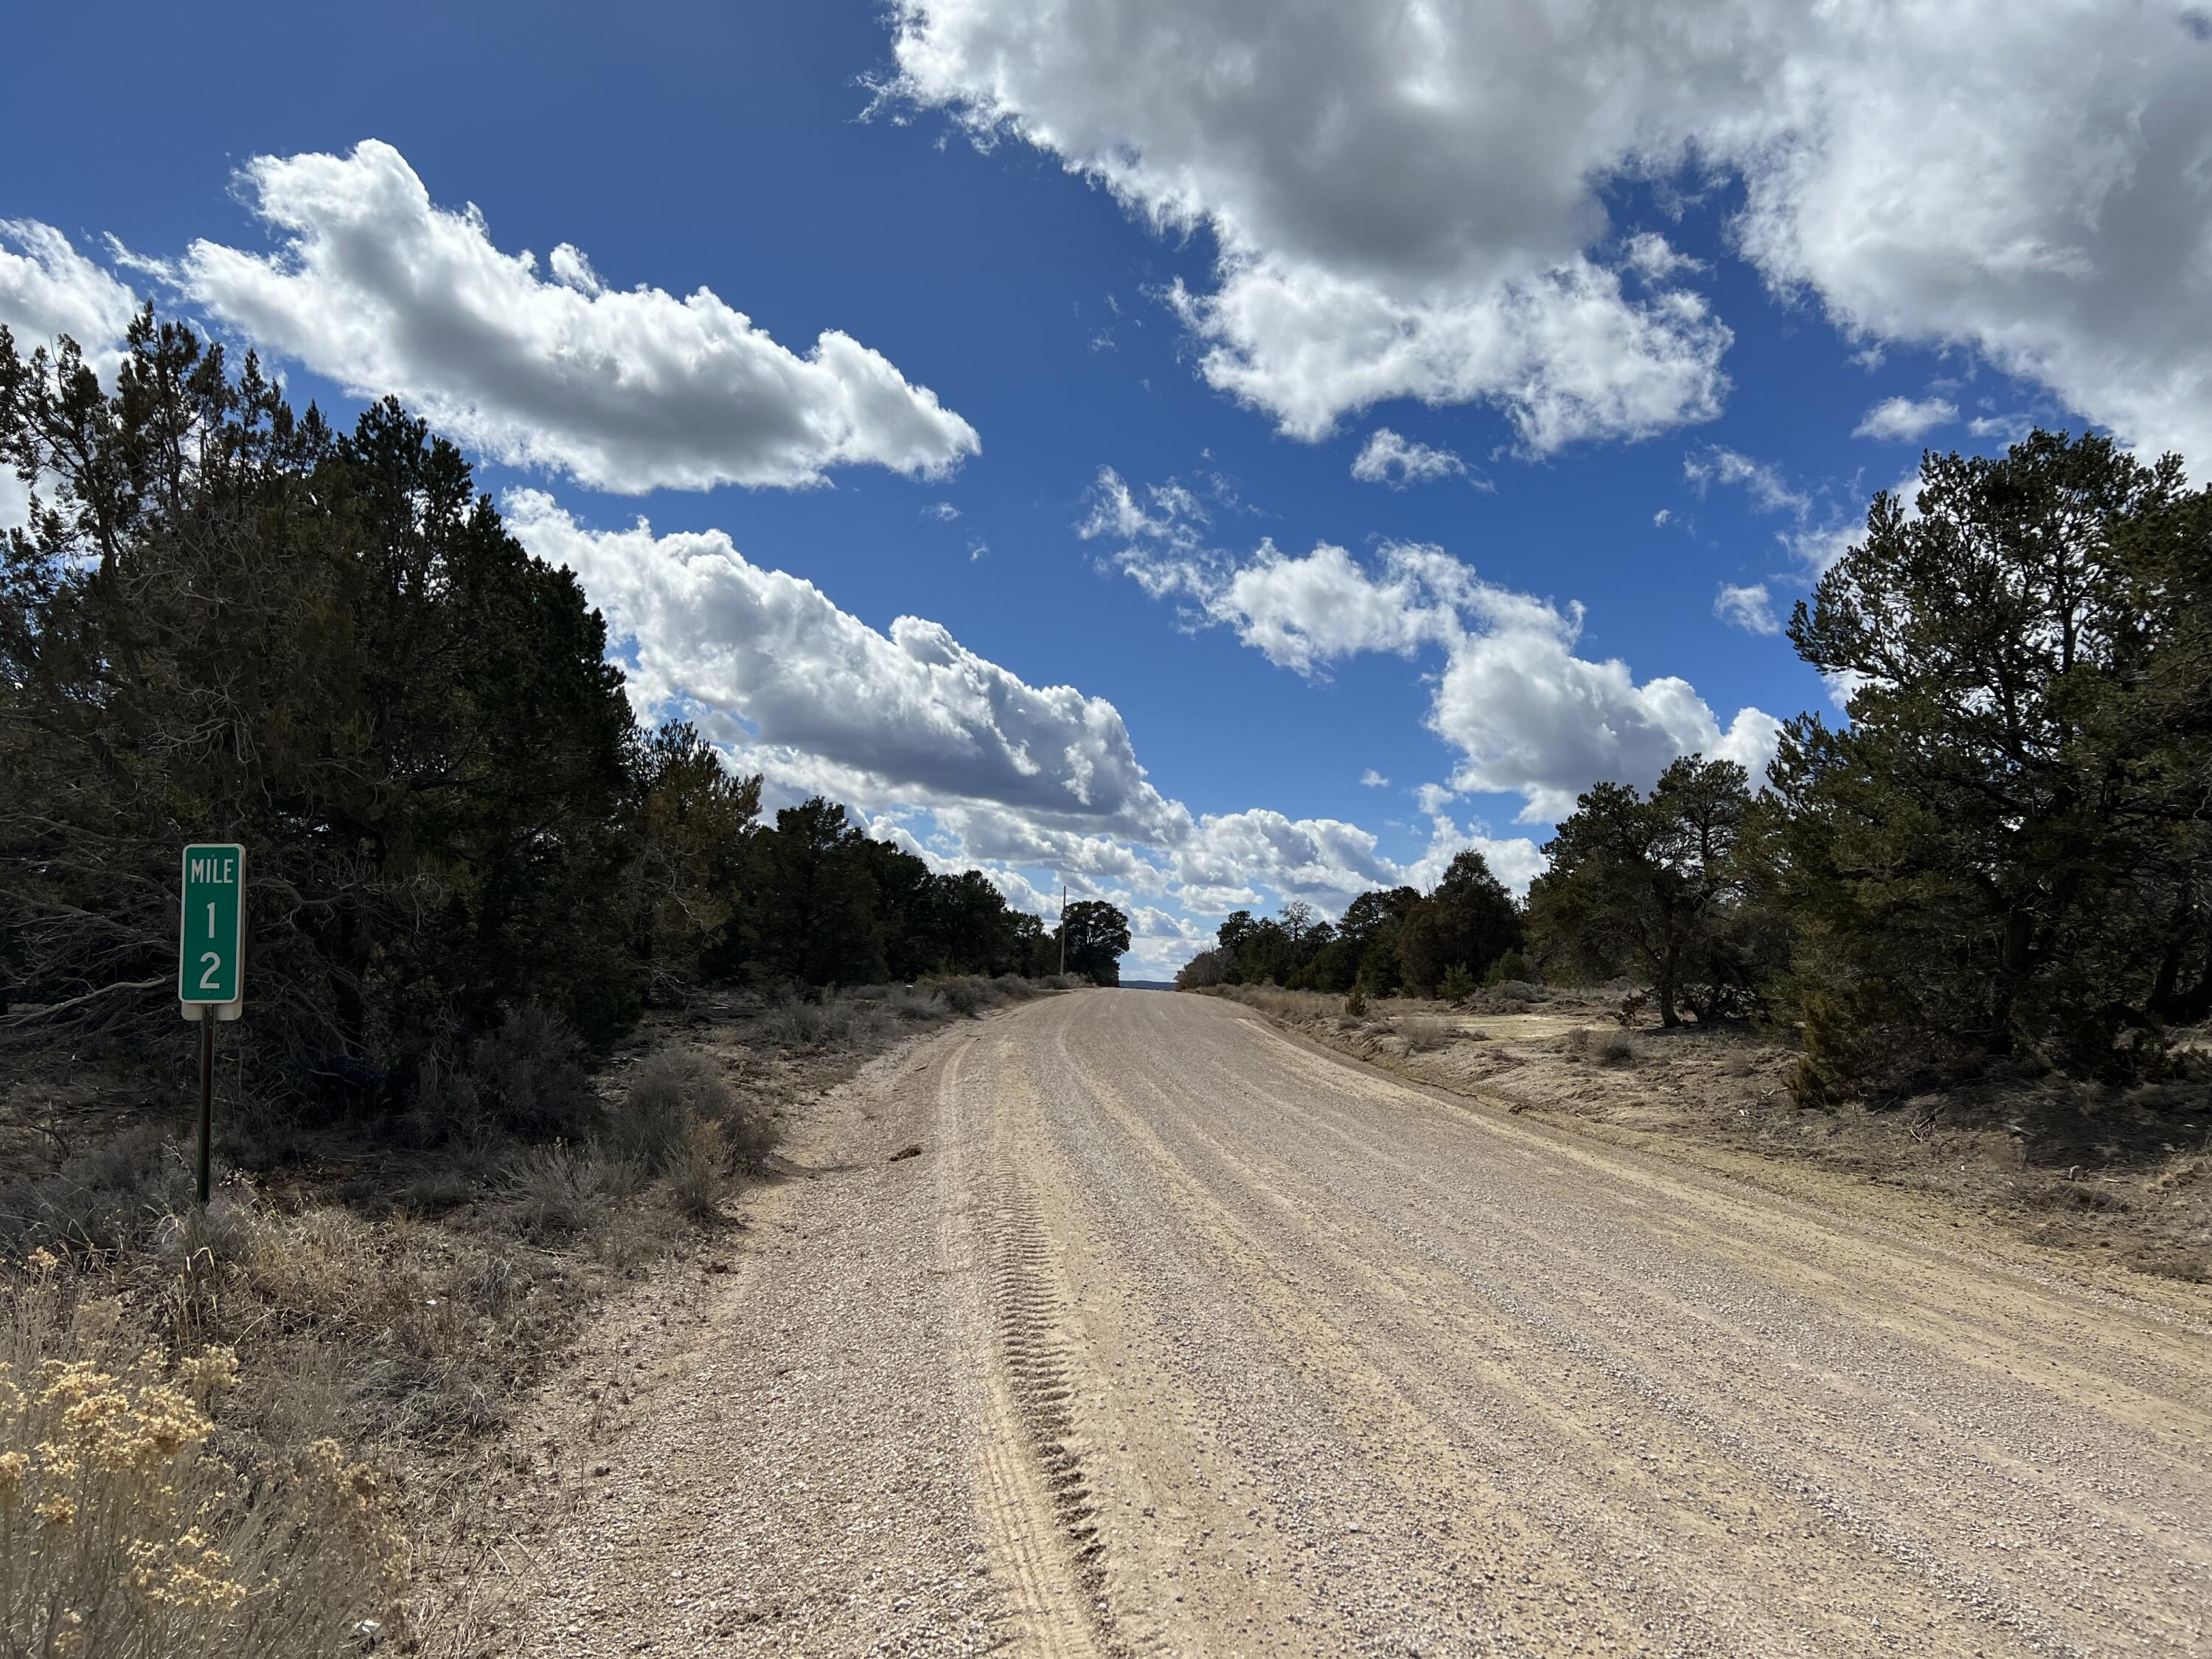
column 943, row 752
column 1528, row 715
column 1409, row 197
column 911, row 710
column 1905, row 420
column 379, row 289
column 47, row 289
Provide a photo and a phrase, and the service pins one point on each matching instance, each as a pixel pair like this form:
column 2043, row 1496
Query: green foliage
column 1097, row 934
column 1458, row 984
column 1667, row 888
column 819, row 902
column 1207, row 968
column 691, row 819
column 1369, row 928
column 1356, row 1004
column 226, row 621
column 813, row 914
column 2007, row 850
column 1469, row 919
column 1511, row 968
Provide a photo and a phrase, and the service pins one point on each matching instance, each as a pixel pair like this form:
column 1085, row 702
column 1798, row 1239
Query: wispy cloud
column 1747, row 607
column 1388, row 458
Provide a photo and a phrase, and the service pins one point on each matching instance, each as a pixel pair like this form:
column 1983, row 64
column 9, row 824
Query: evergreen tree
column 1469, row 920
column 692, row 817
column 1661, row 888
column 225, row 621
column 1097, row 934
column 2005, row 850
column 812, row 912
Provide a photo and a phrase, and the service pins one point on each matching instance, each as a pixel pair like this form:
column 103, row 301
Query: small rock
column 914, row 1151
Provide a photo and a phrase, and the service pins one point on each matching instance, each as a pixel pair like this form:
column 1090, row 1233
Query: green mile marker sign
column 210, row 942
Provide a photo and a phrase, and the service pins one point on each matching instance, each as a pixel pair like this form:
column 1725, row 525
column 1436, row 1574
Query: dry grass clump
column 1510, row 996
column 968, row 995
column 835, row 1020
column 1280, row 1003
column 1616, row 1048
column 1605, row 1047
column 673, row 1095
column 124, row 1533
column 860, row 1018
column 562, row 1191
column 698, row 1173
column 1424, row 1033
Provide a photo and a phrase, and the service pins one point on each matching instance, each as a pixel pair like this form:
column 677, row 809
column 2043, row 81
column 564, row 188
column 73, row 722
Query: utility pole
column 1063, row 928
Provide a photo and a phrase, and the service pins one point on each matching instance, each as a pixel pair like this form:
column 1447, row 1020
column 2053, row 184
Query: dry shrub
column 668, row 1091
column 560, row 1191
column 122, row 1534
column 700, row 1170
column 751, row 1134
column 1424, row 1032
column 100, row 1202
column 683, row 1124
column 1615, row 1048
column 525, row 1078
column 965, row 996
column 835, row 1021
column 676, row 1090
column 1575, row 1044
column 912, row 1002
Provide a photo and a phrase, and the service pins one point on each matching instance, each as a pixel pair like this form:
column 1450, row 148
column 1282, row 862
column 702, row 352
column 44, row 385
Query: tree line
column 230, row 620
column 2003, row 854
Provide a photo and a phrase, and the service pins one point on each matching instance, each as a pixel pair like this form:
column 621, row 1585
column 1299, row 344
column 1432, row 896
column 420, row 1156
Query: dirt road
column 1179, row 1337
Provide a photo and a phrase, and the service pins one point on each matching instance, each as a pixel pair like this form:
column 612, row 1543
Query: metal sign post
column 211, row 960
column 207, row 1096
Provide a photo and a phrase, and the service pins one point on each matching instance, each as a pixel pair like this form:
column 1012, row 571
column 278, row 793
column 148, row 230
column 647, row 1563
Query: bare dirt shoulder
column 761, row 1452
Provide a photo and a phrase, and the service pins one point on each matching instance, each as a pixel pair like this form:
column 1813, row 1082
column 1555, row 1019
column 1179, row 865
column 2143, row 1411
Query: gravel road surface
column 1180, row 1337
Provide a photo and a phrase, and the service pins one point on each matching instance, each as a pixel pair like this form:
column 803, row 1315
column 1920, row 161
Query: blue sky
column 1122, row 293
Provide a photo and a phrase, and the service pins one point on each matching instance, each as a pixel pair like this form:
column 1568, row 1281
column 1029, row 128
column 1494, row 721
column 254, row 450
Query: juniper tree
column 2006, row 849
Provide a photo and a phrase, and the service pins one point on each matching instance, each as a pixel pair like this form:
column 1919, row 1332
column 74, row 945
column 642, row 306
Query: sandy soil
column 1181, row 1335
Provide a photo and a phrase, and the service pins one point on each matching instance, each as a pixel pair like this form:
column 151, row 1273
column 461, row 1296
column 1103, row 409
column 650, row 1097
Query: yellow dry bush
column 124, row 1535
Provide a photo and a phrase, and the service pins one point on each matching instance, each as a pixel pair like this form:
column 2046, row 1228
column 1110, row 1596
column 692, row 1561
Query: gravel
column 1178, row 1336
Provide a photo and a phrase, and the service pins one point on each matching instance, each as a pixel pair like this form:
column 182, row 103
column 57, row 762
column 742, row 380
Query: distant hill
column 1147, row 985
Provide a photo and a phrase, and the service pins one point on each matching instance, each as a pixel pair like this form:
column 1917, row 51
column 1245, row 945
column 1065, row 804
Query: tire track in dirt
column 1039, row 1374
column 1033, row 1496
